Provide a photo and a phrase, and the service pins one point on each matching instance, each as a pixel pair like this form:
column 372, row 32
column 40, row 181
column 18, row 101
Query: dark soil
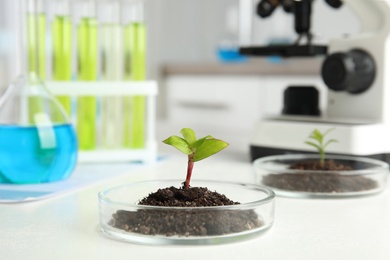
column 320, row 182
column 186, row 222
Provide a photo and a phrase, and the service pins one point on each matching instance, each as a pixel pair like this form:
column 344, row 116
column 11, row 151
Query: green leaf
column 179, row 143
column 208, row 148
column 318, row 147
column 200, row 141
column 316, row 135
column 330, row 141
column 327, row 131
column 189, row 135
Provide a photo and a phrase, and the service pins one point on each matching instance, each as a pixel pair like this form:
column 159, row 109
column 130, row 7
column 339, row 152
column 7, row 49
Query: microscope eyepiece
column 266, row 7
column 288, row 5
column 334, row 3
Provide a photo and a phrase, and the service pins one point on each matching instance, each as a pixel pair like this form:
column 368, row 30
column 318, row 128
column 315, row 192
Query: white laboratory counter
column 66, row 226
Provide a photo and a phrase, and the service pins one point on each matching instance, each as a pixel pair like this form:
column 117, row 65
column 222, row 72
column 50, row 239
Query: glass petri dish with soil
column 247, row 210
column 301, row 175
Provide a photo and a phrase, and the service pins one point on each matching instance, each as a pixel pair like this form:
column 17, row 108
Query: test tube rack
column 148, row 89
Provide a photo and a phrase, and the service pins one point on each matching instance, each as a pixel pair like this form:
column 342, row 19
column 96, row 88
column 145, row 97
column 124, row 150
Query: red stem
column 189, row 172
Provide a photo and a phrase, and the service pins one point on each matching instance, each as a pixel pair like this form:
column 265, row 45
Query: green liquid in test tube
column 135, row 52
column 62, row 54
column 87, row 70
column 36, row 30
column 112, row 70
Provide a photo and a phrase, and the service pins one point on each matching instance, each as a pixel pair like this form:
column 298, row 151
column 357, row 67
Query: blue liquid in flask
column 37, row 154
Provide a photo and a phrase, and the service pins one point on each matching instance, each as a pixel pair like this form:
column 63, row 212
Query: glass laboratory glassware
column 87, row 58
column 61, row 30
column 118, row 208
column 34, row 29
column 135, row 55
column 37, row 142
column 366, row 176
column 36, row 33
column 111, row 51
column 36, row 145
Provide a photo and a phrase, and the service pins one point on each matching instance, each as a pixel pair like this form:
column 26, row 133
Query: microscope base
column 288, row 135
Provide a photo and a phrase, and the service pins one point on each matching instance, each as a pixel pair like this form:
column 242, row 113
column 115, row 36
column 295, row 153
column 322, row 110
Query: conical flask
column 37, row 142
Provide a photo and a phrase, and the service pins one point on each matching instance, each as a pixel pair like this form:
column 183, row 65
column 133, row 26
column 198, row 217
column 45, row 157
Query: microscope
column 354, row 71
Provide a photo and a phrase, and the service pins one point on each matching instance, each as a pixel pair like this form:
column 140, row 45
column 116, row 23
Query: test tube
column 135, row 55
column 61, row 29
column 36, row 33
column 111, row 51
column 87, row 54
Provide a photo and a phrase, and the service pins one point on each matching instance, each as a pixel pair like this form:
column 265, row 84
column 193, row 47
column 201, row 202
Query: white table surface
column 66, row 227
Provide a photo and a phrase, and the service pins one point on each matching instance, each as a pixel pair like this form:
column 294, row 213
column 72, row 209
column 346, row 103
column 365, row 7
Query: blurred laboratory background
column 191, row 51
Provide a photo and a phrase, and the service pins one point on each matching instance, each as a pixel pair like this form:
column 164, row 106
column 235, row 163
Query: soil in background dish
column 186, row 222
column 321, row 182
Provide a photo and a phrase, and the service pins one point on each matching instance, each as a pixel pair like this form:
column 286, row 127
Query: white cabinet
column 219, row 105
column 228, row 106
column 220, row 101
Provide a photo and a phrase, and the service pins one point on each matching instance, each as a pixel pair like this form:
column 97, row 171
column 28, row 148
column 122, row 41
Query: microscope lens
column 266, row 7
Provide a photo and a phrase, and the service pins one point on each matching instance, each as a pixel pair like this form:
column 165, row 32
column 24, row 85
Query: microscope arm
column 373, row 39
column 371, row 13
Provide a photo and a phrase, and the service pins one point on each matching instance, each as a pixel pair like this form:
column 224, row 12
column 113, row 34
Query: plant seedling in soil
column 195, row 149
column 320, row 143
column 330, row 182
column 184, row 222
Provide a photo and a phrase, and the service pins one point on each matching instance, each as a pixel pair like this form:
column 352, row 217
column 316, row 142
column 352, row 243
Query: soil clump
column 170, row 221
column 320, row 182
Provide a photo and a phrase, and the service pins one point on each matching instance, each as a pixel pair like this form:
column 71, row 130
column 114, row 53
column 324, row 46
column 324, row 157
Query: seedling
column 196, row 149
column 320, row 145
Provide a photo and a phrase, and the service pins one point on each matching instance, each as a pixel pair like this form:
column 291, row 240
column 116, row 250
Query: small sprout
column 320, row 145
column 195, row 149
